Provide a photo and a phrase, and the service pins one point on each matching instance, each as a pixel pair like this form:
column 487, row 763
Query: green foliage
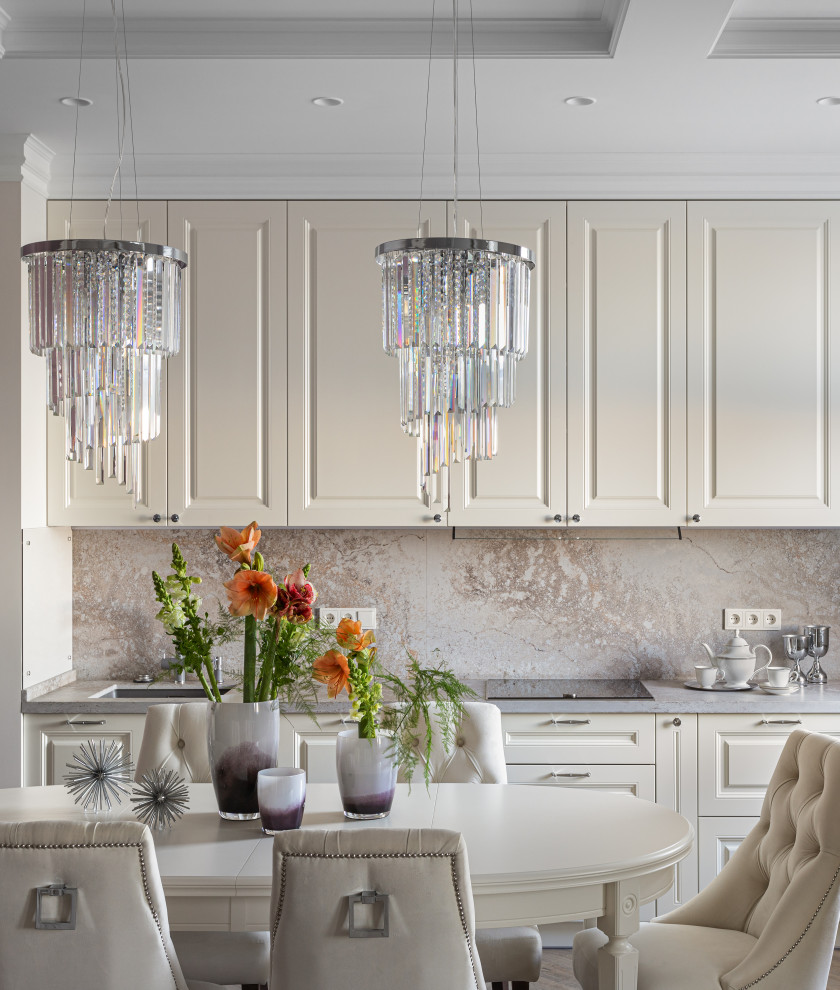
column 431, row 695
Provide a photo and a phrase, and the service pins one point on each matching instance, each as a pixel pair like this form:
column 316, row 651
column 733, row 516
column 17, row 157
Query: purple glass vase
column 367, row 774
column 244, row 738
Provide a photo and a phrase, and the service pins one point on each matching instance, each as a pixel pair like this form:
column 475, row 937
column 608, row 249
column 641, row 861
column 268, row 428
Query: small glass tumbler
column 281, row 793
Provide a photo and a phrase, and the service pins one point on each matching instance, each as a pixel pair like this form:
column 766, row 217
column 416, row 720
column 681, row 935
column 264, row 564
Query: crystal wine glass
column 796, row 649
column 817, row 648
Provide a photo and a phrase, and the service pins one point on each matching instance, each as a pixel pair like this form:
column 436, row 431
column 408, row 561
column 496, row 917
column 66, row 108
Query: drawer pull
column 83, row 722
column 570, row 721
column 554, row 773
column 781, row 721
column 348, row 720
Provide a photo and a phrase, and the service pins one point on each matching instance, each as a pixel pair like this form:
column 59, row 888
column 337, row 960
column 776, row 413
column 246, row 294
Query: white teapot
column 736, row 661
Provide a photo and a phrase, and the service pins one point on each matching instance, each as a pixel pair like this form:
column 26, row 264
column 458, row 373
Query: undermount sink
column 156, row 692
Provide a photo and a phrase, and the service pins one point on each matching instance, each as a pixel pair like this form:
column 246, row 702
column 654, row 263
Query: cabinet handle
column 696, row 517
column 575, row 518
column 554, row 773
column 174, row 517
column 83, row 722
column 437, row 517
column 781, row 721
column 677, row 722
column 156, row 517
column 348, row 720
column 558, row 518
column 570, row 721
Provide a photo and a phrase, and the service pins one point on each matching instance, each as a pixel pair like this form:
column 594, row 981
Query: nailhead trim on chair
column 776, row 965
column 107, row 845
column 429, row 855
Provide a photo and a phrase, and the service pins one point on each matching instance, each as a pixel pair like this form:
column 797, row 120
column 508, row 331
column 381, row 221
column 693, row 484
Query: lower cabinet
column 311, row 746
column 49, row 741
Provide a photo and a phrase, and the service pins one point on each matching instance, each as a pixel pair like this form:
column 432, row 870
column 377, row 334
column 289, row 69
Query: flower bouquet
column 385, row 739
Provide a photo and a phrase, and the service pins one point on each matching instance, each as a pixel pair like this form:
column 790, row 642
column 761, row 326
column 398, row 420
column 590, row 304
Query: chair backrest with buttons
column 405, row 893
column 478, row 753
column 175, row 738
column 782, row 885
column 120, row 936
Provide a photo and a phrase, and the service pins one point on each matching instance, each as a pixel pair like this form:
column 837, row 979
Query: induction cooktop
column 603, row 689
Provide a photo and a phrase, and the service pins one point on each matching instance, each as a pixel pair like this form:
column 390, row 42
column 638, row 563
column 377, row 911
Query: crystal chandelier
column 455, row 314
column 104, row 313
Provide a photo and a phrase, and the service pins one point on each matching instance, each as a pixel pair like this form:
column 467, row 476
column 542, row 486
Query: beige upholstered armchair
column 175, row 738
column 372, row 909
column 769, row 920
column 103, row 925
column 478, row 756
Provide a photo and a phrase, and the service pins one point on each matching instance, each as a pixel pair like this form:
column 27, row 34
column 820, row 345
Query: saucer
column 719, row 686
column 785, row 689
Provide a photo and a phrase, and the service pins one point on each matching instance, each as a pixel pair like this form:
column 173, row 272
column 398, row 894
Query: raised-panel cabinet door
column 676, row 788
column 525, row 484
column 350, row 464
column 626, row 364
column 717, row 840
column 227, row 386
column 73, row 497
column 763, row 374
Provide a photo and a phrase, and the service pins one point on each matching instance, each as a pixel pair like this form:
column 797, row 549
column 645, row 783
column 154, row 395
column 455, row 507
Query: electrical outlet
column 753, row 618
column 328, row 616
column 331, row 616
column 771, row 618
column 733, row 618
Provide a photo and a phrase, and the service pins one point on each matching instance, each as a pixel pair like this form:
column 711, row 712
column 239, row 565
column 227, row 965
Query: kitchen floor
column 557, row 972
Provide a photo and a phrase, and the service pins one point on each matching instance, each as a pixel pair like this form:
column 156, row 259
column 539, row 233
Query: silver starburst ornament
column 98, row 775
column 160, row 798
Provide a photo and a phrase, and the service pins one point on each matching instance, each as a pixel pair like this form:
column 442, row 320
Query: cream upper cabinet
column 73, row 497
column 763, row 375
column 227, row 385
column 350, row 464
column 626, row 363
column 525, row 484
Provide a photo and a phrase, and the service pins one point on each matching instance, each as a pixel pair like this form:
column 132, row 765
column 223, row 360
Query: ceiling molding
column 788, row 37
column 346, row 38
column 510, row 176
column 23, row 158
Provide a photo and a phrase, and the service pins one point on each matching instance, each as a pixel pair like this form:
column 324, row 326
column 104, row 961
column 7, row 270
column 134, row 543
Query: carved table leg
column 618, row 961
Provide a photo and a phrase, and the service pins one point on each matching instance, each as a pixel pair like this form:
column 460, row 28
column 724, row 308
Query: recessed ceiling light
column 829, row 101
column 76, row 101
column 327, row 101
column 579, row 101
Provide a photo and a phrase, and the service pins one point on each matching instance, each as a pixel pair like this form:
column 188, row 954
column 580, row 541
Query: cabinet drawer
column 621, row 778
column 738, row 753
column 546, row 738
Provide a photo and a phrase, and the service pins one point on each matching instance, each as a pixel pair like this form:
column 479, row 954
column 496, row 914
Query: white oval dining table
column 536, row 855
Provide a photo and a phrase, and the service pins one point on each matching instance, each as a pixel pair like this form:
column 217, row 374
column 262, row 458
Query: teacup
column 706, row 675
column 778, row 676
column 736, row 670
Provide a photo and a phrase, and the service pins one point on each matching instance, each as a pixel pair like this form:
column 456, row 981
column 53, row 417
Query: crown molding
column 508, row 176
column 346, row 38
column 25, row 159
column 779, row 37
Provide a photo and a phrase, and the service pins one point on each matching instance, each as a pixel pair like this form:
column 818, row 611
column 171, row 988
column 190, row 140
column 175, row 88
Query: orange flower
column 332, row 669
column 236, row 545
column 349, row 635
column 251, row 593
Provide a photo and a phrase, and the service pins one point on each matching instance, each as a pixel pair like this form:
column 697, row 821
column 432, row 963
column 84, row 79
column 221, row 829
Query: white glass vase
column 244, row 738
column 367, row 774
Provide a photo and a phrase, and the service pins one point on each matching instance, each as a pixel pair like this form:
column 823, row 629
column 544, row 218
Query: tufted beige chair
column 769, row 919
column 175, row 738
column 478, row 756
column 425, row 874
column 121, row 935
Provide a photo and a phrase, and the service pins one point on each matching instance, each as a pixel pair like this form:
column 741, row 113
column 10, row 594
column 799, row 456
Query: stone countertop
column 669, row 697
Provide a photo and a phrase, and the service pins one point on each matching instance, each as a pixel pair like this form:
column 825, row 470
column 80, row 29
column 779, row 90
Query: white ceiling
column 694, row 97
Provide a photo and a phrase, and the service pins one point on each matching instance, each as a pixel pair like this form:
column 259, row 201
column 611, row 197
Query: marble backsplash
column 494, row 607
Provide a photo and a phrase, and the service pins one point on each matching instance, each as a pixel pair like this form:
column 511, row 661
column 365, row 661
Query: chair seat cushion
column 224, row 957
column 670, row 956
column 509, row 954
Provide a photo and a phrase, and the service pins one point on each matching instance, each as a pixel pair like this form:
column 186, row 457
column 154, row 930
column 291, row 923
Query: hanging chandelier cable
column 455, row 315
column 105, row 313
